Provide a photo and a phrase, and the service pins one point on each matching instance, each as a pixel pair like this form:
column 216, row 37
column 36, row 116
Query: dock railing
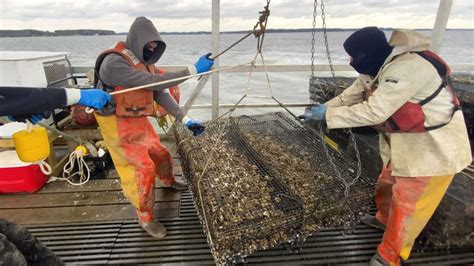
column 320, row 70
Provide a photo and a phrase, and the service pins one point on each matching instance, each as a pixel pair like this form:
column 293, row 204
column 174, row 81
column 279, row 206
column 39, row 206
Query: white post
column 440, row 24
column 215, row 50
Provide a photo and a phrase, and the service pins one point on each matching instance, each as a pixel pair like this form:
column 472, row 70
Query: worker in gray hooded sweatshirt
column 132, row 141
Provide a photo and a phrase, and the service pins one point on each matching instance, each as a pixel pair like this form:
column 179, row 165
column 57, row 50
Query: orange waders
column 132, row 141
column 405, row 204
column 138, row 156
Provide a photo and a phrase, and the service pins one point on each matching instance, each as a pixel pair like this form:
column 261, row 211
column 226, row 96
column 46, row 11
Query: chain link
column 328, row 54
column 313, row 40
column 351, row 134
column 347, row 184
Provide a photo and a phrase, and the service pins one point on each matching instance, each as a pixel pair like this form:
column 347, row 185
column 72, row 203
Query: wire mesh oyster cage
column 265, row 180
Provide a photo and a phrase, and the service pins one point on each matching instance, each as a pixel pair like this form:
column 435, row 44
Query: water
column 279, row 48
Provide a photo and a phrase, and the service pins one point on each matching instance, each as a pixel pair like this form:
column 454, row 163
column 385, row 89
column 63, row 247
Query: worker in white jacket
column 403, row 90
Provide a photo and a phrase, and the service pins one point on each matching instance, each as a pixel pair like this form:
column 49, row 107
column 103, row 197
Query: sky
column 195, row 15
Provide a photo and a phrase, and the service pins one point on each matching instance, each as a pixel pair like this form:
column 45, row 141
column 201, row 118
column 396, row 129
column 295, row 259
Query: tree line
column 37, row 33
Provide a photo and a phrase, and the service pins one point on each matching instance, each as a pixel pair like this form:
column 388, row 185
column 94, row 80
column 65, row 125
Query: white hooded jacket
column 406, row 76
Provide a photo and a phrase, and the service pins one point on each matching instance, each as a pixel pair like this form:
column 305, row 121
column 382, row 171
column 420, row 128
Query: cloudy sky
column 195, row 15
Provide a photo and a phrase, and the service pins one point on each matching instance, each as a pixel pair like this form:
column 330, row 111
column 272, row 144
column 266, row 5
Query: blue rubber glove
column 95, row 98
column 34, row 119
column 316, row 113
column 204, row 63
column 195, row 126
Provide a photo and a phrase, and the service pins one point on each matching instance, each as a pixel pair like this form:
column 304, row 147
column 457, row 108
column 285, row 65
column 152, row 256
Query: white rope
column 168, row 81
column 76, row 157
column 45, row 167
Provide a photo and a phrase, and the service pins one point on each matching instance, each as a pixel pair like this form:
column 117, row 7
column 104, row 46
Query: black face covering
column 368, row 48
column 147, row 54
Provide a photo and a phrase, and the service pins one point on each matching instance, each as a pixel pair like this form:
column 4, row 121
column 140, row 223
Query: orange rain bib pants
column 405, row 204
column 138, row 156
column 132, row 141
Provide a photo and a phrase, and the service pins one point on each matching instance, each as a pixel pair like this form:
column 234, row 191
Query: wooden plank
column 78, row 199
column 56, row 166
column 177, row 170
column 173, row 150
column 170, row 143
column 109, row 184
column 6, row 143
column 92, row 185
column 84, row 213
column 85, row 133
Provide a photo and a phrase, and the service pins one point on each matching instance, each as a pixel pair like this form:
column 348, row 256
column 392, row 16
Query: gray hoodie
column 115, row 71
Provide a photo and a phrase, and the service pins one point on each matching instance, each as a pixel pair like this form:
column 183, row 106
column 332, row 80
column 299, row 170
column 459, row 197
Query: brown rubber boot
column 154, row 228
column 372, row 222
column 377, row 260
column 178, row 184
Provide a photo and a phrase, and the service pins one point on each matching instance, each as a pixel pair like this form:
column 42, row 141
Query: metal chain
column 313, row 40
column 346, row 184
column 351, row 134
column 328, row 54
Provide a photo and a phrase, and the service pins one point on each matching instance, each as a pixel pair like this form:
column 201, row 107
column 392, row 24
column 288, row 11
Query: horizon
column 231, row 31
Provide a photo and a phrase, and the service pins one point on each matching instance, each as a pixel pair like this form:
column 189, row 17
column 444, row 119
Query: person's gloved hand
column 316, row 113
column 95, row 98
column 204, row 63
column 22, row 118
column 195, row 126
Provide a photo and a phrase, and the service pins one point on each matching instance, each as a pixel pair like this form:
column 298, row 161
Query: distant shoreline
column 39, row 33
column 92, row 32
column 292, row 30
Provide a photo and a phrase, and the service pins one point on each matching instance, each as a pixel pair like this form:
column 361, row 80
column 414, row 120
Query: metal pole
column 215, row 50
column 440, row 24
column 195, row 93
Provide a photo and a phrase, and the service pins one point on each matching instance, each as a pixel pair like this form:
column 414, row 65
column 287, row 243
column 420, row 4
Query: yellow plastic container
column 82, row 149
column 32, row 146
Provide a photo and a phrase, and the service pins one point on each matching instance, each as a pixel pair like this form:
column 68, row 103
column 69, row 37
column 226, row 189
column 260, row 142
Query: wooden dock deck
column 98, row 200
column 94, row 224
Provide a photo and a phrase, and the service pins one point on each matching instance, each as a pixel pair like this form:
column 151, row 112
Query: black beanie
column 368, row 48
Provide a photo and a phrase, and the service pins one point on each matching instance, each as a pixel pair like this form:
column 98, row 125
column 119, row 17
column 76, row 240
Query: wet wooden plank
column 78, row 199
column 84, row 213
